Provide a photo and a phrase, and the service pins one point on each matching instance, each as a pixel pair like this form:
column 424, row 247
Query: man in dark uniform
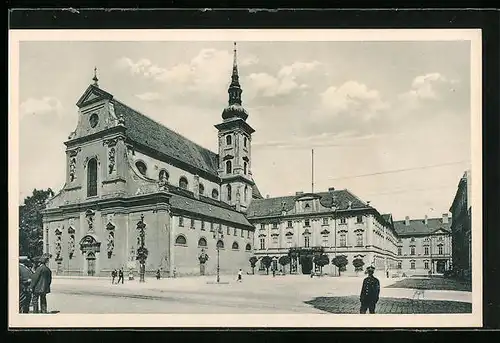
column 40, row 285
column 369, row 292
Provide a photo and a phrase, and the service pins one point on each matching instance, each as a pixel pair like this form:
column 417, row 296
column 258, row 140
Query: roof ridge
column 165, row 127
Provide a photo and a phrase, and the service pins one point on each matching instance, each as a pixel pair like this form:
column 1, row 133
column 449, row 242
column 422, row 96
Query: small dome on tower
column 234, row 110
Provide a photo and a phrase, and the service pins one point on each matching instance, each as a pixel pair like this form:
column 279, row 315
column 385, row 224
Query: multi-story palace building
column 126, row 173
column 461, row 228
column 333, row 223
column 424, row 245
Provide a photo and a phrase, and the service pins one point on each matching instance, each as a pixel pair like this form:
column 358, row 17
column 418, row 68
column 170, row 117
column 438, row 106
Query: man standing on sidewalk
column 40, row 285
column 369, row 292
column 25, row 275
column 120, row 275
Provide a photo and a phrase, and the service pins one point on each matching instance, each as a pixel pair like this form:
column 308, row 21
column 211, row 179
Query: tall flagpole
column 312, row 170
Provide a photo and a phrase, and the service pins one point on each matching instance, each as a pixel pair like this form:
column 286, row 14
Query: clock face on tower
column 94, row 119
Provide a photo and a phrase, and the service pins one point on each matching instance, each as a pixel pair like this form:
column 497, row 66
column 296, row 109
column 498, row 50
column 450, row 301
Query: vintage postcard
column 245, row 178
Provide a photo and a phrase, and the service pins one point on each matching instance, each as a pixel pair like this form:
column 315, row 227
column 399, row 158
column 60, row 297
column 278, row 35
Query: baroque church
column 133, row 185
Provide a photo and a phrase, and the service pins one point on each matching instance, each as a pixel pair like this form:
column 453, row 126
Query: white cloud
column 425, row 87
column 353, row 98
column 44, row 105
column 149, row 96
column 284, row 83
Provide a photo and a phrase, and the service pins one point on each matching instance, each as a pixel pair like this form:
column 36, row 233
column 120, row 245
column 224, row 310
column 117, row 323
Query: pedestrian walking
column 120, row 275
column 25, row 275
column 274, row 272
column 40, row 285
column 370, row 292
column 240, row 275
column 113, row 276
column 158, row 274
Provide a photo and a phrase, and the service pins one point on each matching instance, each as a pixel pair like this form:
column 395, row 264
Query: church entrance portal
column 90, row 264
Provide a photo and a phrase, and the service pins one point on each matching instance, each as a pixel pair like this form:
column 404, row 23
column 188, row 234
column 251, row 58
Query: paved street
column 256, row 294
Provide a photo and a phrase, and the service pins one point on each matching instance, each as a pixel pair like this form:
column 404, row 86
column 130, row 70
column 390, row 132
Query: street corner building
column 333, row 223
column 131, row 183
column 424, row 245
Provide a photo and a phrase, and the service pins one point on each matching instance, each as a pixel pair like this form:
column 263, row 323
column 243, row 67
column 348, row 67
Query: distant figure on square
column 120, row 275
column 369, row 292
column 158, row 274
column 113, row 276
column 240, row 273
column 40, row 285
column 274, row 272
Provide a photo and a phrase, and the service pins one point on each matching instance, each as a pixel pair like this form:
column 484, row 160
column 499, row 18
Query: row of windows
column 307, row 222
column 307, row 240
column 412, row 265
column 426, row 239
column 229, row 167
column 229, row 140
column 202, row 243
column 426, row 250
column 212, row 225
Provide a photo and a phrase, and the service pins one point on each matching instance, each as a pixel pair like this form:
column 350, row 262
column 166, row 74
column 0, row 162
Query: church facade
column 133, row 184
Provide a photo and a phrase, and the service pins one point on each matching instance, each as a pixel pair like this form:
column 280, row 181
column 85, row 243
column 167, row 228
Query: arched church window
column 220, row 244
column 163, row 175
column 141, row 167
column 235, row 246
column 201, row 189
column 202, row 242
column 229, row 191
column 181, row 240
column 229, row 167
column 245, row 142
column 92, row 178
column 245, row 166
column 183, row 182
column 215, row 194
column 245, row 193
column 229, row 140
column 248, row 247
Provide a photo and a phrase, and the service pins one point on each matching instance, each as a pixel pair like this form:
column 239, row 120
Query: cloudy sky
column 388, row 120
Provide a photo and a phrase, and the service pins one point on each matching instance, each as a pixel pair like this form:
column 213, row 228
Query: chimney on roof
column 368, row 203
column 445, row 218
column 299, row 193
column 331, row 189
column 425, row 220
column 267, row 196
column 407, row 221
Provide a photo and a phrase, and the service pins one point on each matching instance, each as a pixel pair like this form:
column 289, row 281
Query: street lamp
column 142, row 252
column 218, row 235
column 334, row 208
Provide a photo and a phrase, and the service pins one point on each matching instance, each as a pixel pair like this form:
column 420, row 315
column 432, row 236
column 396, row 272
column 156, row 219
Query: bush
column 358, row 264
column 340, row 262
column 253, row 261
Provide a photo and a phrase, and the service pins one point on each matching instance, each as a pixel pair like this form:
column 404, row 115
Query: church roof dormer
column 234, row 108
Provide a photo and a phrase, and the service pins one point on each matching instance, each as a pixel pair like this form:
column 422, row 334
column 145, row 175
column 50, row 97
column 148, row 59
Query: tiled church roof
column 146, row 131
column 274, row 206
column 418, row 227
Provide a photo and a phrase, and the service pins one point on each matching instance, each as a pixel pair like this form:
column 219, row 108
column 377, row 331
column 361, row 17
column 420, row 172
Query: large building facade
column 461, row 229
column 333, row 223
column 424, row 245
column 124, row 171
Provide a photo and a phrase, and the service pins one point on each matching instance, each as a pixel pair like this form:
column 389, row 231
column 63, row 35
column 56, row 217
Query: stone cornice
column 95, row 136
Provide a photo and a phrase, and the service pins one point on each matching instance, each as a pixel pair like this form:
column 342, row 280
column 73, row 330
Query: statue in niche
column 71, row 246
column 72, row 170
column 111, row 243
column 111, row 158
column 90, row 221
column 58, row 247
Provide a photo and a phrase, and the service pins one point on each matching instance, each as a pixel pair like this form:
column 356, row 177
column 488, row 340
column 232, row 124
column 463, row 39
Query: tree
column 266, row 261
column 253, row 261
column 31, row 224
column 321, row 260
column 284, row 260
column 358, row 264
column 340, row 262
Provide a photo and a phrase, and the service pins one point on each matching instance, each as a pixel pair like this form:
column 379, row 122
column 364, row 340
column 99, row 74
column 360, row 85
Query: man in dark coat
column 40, row 285
column 369, row 292
column 25, row 275
column 120, row 275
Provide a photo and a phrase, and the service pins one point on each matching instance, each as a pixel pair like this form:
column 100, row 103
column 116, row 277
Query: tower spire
column 235, row 79
column 234, row 110
column 95, row 79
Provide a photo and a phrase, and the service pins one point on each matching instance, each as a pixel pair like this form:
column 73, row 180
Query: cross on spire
column 95, row 79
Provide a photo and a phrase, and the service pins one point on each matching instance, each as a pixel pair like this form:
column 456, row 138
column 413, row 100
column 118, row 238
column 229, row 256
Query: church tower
column 235, row 138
